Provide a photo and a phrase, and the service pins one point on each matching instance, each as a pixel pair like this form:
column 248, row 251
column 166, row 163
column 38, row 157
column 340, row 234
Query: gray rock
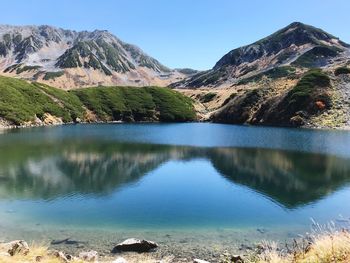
column 135, row 245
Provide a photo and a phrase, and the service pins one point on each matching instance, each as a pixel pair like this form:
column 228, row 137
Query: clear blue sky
column 182, row 33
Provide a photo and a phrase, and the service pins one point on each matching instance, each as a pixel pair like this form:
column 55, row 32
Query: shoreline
column 322, row 245
column 306, row 127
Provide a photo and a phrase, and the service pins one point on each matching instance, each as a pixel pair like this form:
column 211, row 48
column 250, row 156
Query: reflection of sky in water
column 55, row 177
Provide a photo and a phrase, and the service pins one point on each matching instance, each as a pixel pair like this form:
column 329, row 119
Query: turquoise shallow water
column 100, row 183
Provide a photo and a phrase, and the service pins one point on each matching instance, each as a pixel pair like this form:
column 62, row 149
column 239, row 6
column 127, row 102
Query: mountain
column 69, row 59
column 298, row 76
column 296, row 45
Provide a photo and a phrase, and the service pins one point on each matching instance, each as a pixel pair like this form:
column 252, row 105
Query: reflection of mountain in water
column 43, row 171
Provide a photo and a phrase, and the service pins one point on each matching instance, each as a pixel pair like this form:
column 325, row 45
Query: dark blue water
column 172, row 176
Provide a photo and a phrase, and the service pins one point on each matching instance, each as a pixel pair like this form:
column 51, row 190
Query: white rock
column 120, row 260
column 196, row 260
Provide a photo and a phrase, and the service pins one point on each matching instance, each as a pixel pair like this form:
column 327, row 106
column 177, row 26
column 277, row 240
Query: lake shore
column 7, row 126
column 323, row 246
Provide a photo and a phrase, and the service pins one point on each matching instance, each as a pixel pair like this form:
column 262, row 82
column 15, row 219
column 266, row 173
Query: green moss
column 341, row 70
column 53, row 75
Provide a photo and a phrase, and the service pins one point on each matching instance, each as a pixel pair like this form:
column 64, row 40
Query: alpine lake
column 194, row 188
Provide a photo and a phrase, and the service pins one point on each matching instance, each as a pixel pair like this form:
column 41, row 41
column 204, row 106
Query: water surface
column 173, row 183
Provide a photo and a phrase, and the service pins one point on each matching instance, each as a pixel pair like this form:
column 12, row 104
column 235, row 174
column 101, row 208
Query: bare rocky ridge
column 69, row 59
column 297, row 45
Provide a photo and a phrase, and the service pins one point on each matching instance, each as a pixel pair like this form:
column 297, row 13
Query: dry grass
column 325, row 244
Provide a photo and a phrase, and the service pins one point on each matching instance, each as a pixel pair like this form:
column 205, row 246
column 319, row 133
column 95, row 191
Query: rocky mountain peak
column 295, row 46
column 86, row 57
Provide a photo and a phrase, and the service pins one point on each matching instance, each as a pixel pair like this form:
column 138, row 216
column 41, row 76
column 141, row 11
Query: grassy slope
column 21, row 101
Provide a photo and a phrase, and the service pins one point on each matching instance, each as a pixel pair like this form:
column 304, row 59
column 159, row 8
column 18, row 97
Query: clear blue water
column 171, row 177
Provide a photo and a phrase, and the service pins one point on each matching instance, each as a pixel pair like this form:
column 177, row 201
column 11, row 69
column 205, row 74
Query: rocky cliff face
column 71, row 59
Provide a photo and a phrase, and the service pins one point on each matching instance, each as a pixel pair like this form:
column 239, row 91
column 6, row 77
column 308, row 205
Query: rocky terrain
column 298, row 76
column 70, row 59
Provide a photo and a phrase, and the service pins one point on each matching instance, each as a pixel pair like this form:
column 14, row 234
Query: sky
column 182, row 33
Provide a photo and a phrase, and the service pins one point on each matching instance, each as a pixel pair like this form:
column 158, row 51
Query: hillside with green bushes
column 23, row 103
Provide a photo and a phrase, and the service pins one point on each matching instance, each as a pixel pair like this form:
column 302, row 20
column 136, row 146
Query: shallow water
column 177, row 184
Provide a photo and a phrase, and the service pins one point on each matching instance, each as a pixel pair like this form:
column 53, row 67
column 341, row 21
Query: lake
column 186, row 186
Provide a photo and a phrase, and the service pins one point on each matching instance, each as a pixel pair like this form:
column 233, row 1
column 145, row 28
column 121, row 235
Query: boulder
column 90, row 256
column 15, row 247
column 135, row 245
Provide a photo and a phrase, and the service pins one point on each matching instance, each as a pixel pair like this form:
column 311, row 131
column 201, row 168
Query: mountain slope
column 298, row 76
column 25, row 104
column 71, row 59
column 296, row 45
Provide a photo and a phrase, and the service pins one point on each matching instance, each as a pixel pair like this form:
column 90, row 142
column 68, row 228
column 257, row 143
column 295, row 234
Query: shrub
column 53, row 75
column 208, row 97
column 342, row 70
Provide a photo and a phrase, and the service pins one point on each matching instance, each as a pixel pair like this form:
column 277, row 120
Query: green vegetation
column 21, row 101
column 72, row 105
column 308, row 90
column 342, row 70
column 187, row 71
column 27, row 68
column 274, row 73
column 208, row 97
column 231, row 97
column 206, row 78
column 309, row 82
column 53, row 75
column 315, row 56
column 136, row 104
column 70, row 59
column 12, row 68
